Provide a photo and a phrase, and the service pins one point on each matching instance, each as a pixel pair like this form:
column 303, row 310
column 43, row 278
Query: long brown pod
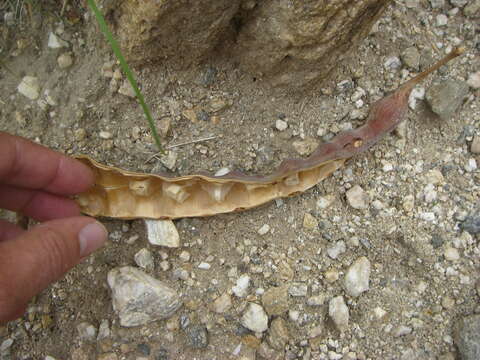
column 124, row 194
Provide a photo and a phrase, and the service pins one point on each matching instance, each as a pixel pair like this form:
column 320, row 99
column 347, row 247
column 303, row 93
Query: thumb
column 42, row 255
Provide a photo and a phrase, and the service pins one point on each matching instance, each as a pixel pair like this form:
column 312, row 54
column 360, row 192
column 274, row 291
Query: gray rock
column 65, row 61
column 86, row 331
column 411, row 58
column 275, row 300
column 139, row 298
column 339, row 313
column 162, row 233
column 29, row 87
column 144, row 259
column 475, row 146
column 197, row 336
column 474, row 78
column 278, row 334
column 255, row 318
column 437, row 4
column 357, row 277
column 103, row 330
column 459, row 3
column 471, row 224
column 222, row 303
column 472, row 10
column 446, row 97
column 298, row 290
column 54, row 42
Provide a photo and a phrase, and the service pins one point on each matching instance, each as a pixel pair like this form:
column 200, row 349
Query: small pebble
column 65, row 61
column 402, row 330
column 29, row 87
column 475, row 146
column 451, row 254
column 445, row 98
column 241, row 287
column 86, row 331
column 222, row 303
column 309, row 222
column 197, row 336
column 204, row 266
column 144, row 259
column 392, row 63
column 331, row 275
column 441, row 20
column 162, row 233
column 357, row 277
column 466, row 337
column 264, row 229
column 471, row 165
column 474, row 80
column 281, row 125
column 105, row 135
column 325, row 201
column 54, row 42
column 335, row 250
column 126, row 89
column 184, row 256
column 298, row 290
column 255, row 318
column 357, row 197
column 339, row 313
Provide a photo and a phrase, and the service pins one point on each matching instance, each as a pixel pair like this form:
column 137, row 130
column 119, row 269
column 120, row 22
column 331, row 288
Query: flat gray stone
column 446, row 97
column 467, row 337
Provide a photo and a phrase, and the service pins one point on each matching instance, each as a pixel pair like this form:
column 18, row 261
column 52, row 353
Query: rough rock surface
column 466, row 337
column 139, row 299
column 289, row 42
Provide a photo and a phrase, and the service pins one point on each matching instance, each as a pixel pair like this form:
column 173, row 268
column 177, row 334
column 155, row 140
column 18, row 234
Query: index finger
column 28, row 165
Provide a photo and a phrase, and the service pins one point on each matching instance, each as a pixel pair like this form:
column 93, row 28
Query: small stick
column 180, row 144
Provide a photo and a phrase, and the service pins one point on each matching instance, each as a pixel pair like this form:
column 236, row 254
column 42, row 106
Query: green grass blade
column 126, row 69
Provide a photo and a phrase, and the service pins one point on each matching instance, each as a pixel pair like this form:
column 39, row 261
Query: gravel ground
column 379, row 261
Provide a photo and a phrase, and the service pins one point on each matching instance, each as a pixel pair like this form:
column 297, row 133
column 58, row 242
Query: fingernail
column 92, row 237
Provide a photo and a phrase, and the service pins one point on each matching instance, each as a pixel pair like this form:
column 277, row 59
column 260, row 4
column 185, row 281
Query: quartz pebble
column 474, row 80
column 65, row 61
column 357, row 197
column 357, row 277
column 335, row 250
column 86, row 331
column 241, row 287
column 339, row 313
column 451, row 254
column 281, row 125
column 255, row 318
column 144, row 259
column 309, row 222
column 54, row 42
column 105, row 135
column 29, row 87
column 162, row 233
column 298, row 290
column 264, row 229
column 441, row 20
column 157, row 300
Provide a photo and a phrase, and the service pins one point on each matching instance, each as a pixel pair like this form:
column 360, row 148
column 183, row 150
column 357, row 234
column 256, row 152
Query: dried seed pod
column 126, row 194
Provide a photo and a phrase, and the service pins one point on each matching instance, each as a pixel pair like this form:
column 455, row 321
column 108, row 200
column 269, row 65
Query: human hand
column 36, row 181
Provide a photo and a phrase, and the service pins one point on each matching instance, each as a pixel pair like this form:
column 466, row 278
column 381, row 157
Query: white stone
column 325, row 201
column 86, row 331
column 298, row 290
column 387, row 167
column 29, row 87
column 335, row 250
column 162, row 233
column 339, row 313
column 103, row 330
column 293, row 315
column 357, row 197
column 402, row 330
column 255, row 318
column 281, row 125
column 471, row 165
column 441, row 20
column 204, row 266
column 54, row 42
column 451, row 254
column 184, row 256
column 264, row 229
column 144, row 259
column 105, row 135
column 357, row 277
column 475, row 146
column 418, row 93
column 379, row 312
column 241, row 287
column 408, row 203
column 474, row 80
column 139, row 298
